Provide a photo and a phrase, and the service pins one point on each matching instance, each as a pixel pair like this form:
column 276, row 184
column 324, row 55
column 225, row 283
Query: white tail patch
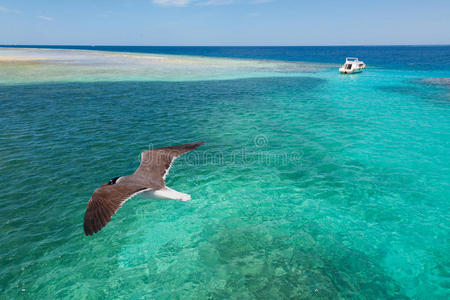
column 166, row 193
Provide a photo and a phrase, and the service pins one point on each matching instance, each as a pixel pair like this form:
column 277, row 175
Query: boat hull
column 350, row 71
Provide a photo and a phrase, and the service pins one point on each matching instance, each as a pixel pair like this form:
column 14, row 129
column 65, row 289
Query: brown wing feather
column 155, row 163
column 104, row 203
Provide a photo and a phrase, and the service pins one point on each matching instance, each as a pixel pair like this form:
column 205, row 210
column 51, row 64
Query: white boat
column 352, row 65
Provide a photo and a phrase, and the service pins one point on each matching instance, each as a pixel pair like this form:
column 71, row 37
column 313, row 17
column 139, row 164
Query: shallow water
column 311, row 184
column 49, row 65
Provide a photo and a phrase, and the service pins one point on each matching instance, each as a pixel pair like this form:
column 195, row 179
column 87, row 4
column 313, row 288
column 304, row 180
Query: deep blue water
column 392, row 57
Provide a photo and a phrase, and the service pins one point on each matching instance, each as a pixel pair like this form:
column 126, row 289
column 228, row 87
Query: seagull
column 148, row 179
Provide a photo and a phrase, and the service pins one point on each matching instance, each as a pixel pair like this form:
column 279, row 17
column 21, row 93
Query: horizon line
column 124, row 45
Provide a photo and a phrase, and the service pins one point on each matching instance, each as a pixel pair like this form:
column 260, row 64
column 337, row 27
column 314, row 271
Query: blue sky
column 224, row 22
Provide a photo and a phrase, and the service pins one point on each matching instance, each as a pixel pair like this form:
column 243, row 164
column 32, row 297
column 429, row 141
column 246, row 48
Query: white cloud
column 172, row 2
column 260, row 1
column 181, row 3
column 215, row 2
column 45, row 18
column 8, row 10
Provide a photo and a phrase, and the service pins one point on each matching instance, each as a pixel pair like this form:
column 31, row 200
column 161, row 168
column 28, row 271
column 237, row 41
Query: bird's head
column 113, row 181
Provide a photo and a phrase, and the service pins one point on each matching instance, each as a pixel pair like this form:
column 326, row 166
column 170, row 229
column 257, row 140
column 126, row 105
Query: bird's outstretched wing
column 104, row 203
column 155, row 164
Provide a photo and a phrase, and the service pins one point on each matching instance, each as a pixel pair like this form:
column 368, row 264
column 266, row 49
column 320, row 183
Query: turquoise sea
column 311, row 184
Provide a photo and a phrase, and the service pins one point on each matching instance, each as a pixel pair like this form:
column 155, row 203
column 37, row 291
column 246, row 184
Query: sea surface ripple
column 311, row 184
